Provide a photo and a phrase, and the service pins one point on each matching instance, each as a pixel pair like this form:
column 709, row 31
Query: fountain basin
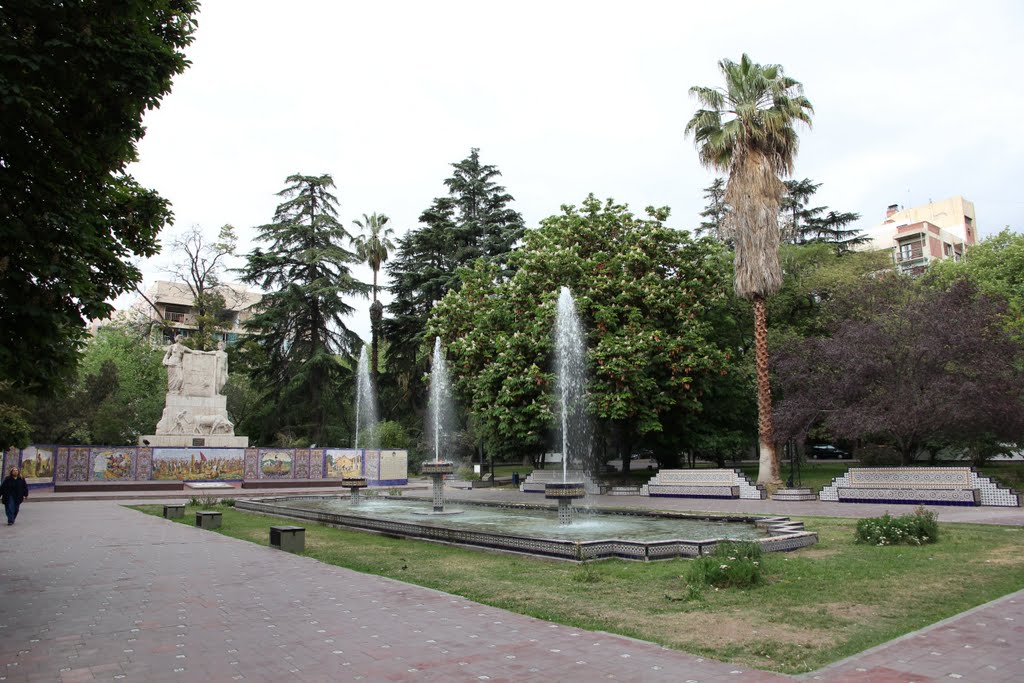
column 354, row 482
column 595, row 535
column 560, row 490
column 433, row 467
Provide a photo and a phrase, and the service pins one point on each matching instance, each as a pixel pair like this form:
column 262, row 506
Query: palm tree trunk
column 768, row 469
column 376, row 313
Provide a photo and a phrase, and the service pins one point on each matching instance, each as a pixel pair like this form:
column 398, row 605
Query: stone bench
column 207, row 519
column 288, row 538
column 535, row 482
column 173, row 510
column 624, row 491
column 905, row 485
column 720, row 483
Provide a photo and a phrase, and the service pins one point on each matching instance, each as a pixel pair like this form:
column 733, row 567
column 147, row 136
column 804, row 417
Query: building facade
column 922, row 234
column 170, row 305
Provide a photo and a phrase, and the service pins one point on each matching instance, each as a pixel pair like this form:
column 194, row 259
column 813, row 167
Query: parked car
column 827, row 451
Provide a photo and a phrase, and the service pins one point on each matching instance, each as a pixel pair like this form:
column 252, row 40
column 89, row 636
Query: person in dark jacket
column 12, row 492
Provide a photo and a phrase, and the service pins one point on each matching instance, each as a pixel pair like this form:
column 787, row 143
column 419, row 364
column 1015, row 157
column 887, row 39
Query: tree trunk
column 768, row 469
column 376, row 313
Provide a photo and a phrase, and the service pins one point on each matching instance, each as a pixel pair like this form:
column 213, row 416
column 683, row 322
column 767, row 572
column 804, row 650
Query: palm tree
column 747, row 130
column 373, row 248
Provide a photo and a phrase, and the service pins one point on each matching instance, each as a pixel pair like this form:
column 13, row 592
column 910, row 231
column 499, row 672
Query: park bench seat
column 917, row 486
column 208, row 519
column 718, row 483
column 535, row 482
column 172, row 510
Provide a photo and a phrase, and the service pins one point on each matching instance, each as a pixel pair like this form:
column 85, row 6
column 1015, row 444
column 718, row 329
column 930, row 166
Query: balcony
column 175, row 317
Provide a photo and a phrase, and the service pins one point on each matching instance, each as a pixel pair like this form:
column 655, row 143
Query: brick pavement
column 123, row 596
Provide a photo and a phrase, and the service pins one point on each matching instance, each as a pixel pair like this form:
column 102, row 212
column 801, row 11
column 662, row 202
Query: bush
column 915, row 529
column 736, row 564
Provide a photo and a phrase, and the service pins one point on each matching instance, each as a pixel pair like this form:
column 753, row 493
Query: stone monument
column 195, row 411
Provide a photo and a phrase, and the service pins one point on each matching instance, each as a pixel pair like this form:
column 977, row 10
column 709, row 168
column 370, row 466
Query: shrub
column 736, row 564
column 915, row 529
column 878, row 456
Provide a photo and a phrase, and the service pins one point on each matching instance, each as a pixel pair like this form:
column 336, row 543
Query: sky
column 568, row 98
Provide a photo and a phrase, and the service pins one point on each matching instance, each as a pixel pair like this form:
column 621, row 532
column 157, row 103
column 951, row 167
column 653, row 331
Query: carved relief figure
column 174, row 361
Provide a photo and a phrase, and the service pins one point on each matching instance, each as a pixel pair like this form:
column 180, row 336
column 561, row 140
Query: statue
column 195, row 409
column 174, row 361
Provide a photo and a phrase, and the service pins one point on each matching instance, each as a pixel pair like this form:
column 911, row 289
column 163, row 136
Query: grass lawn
column 821, row 604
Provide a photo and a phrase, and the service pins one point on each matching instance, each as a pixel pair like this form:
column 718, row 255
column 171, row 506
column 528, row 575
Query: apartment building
column 170, row 304
column 922, row 234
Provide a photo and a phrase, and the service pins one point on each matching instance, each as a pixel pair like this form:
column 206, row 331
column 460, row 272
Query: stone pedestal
column 354, row 486
column 564, row 493
column 436, row 471
column 195, row 421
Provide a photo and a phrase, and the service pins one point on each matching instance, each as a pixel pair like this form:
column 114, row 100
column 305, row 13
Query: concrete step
column 795, row 494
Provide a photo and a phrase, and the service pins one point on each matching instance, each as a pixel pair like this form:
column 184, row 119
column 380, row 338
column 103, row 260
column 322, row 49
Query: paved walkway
column 94, row 591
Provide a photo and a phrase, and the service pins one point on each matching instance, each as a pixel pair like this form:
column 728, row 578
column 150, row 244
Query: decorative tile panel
column 300, row 464
column 78, row 464
column 144, row 464
column 252, row 464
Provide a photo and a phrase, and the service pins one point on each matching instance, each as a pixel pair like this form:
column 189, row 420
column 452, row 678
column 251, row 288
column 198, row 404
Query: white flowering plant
column 918, row 528
column 730, row 564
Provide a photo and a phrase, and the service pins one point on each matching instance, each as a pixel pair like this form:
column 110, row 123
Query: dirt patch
column 852, row 611
column 1007, row 555
column 717, row 630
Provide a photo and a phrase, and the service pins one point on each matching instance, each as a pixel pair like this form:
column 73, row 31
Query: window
column 906, row 251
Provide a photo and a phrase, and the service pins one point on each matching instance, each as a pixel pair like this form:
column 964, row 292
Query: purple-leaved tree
column 910, row 366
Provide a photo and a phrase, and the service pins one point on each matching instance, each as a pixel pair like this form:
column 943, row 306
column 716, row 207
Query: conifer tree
column 714, row 212
column 474, row 220
column 301, row 328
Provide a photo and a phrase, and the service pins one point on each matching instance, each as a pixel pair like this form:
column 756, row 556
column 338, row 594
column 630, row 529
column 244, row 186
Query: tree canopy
column 996, row 267
column 474, row 220
column 649, row 297
column 75, row 80
column 909, row 366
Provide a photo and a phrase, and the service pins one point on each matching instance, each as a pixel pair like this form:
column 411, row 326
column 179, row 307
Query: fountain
column 440, row 409
column 366, row 420
column 570, row 363
column 532, row 529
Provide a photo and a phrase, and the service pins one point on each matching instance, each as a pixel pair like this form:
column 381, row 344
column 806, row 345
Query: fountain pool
column 535, row 530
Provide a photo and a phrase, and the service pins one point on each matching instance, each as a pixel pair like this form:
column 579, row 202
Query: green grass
column 819, row 604
column 813, row 475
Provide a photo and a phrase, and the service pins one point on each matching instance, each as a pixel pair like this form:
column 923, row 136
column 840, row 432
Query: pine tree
column 300, row 327
column 715, row 212
column 831, row 229
column 473, row 221
column 796, row 219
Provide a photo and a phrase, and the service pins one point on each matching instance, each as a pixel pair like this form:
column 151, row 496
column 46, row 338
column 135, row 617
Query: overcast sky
column 914, row 101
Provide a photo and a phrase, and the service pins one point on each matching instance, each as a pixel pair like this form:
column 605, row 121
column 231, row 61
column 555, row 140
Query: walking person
column 12, row 492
